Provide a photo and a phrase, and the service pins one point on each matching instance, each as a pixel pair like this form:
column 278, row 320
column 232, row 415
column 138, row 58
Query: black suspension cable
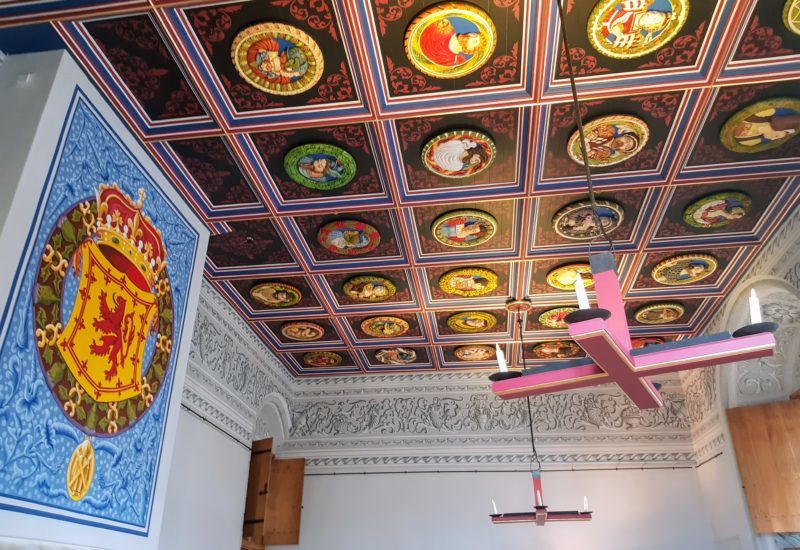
column 533, row 441
column 579, row 118
column 535, row 455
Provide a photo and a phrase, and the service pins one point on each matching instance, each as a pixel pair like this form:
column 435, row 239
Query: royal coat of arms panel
column 88, row 350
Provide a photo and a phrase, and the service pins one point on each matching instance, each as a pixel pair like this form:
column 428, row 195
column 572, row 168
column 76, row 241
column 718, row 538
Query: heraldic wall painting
column 91, row 333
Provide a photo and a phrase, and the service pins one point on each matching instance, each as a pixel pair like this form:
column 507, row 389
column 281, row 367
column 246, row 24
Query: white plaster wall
column 25, row 82
column 206, row 491
column 633, row 510
column 724, row 501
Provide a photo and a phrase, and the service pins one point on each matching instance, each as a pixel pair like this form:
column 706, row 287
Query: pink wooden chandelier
column 540, row 514
column 603, row 334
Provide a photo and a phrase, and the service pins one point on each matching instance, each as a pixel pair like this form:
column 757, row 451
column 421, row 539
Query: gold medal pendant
column 80, row 471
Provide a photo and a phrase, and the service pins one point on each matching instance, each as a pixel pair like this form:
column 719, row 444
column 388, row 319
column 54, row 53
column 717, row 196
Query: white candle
column 755, row 308
column 580, row 291
column 501, row 358
column 494, row 507
column 585, row 504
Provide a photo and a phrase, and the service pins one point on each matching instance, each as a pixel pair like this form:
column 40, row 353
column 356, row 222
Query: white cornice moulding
column 391, row 422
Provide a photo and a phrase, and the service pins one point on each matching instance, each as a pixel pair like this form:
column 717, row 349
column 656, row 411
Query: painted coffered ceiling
column 427, row 164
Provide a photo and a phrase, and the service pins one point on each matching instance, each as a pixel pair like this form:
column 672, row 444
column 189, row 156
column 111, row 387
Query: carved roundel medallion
column 320, row 166
column 717, row 210
column 322, row 359
column 276, row 58
column 791, row 15
column 477, row 352
column 396, row 356
column 472, row 321
column 554, row 318
column 659, row 313
column 450, row 39
column 302, row 331
column 762, row 125
column 610, row 140
column 623, row 29
column 685, row 269
column 275, row 294
column 468, row 281
column 385, row 327
column 577, row 221
column 369, row 288
column 557, row 349
column 349, row 237
column 563, row 277
column 464, row 228
column 458, row 153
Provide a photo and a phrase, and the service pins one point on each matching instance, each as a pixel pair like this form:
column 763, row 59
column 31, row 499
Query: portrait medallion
column 791, row 15
column 276, row 58
column 464, row 228
column 563, row 277
column 450, row 39
column 477, row 352
column 646, row 342
column 396, row 356
column 656, row 314
column 610, row 140
column 717, row 210
column 369, row 288
column 322, row 359
column 468, row 281
column 577, row 221
column 320, row 166
column 472, row 321
column 384, row 327
column 685, row 269
column 554, row 318
column 762, row 125
column 624, row 30
column 275, row 294
column 557, row 349
column 302, row 331
column 349, row 237
column 458, row 153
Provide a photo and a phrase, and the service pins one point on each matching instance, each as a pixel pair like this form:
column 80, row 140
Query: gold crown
column 123, row 227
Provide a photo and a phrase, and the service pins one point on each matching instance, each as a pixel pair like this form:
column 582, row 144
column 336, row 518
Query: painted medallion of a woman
column 458, row 154
column 761, row 126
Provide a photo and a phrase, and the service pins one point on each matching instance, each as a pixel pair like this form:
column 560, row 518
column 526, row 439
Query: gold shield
column 104, row 341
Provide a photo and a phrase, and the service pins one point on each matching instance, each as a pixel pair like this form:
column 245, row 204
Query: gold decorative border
column 675, row 260
column 441, row 221
column 601, row 9
column 428, row 16
column 445, row 281
column 639, row 125
column 309, row 47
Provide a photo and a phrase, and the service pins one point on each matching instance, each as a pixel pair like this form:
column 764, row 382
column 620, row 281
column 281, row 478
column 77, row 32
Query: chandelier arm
column 581, row 133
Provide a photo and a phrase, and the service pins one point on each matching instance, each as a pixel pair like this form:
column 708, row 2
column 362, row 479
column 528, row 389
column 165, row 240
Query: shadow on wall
column 273, row 420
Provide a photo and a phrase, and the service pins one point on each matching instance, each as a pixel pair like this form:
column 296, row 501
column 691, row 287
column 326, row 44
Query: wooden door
column 285, row 501
column 767, row 443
